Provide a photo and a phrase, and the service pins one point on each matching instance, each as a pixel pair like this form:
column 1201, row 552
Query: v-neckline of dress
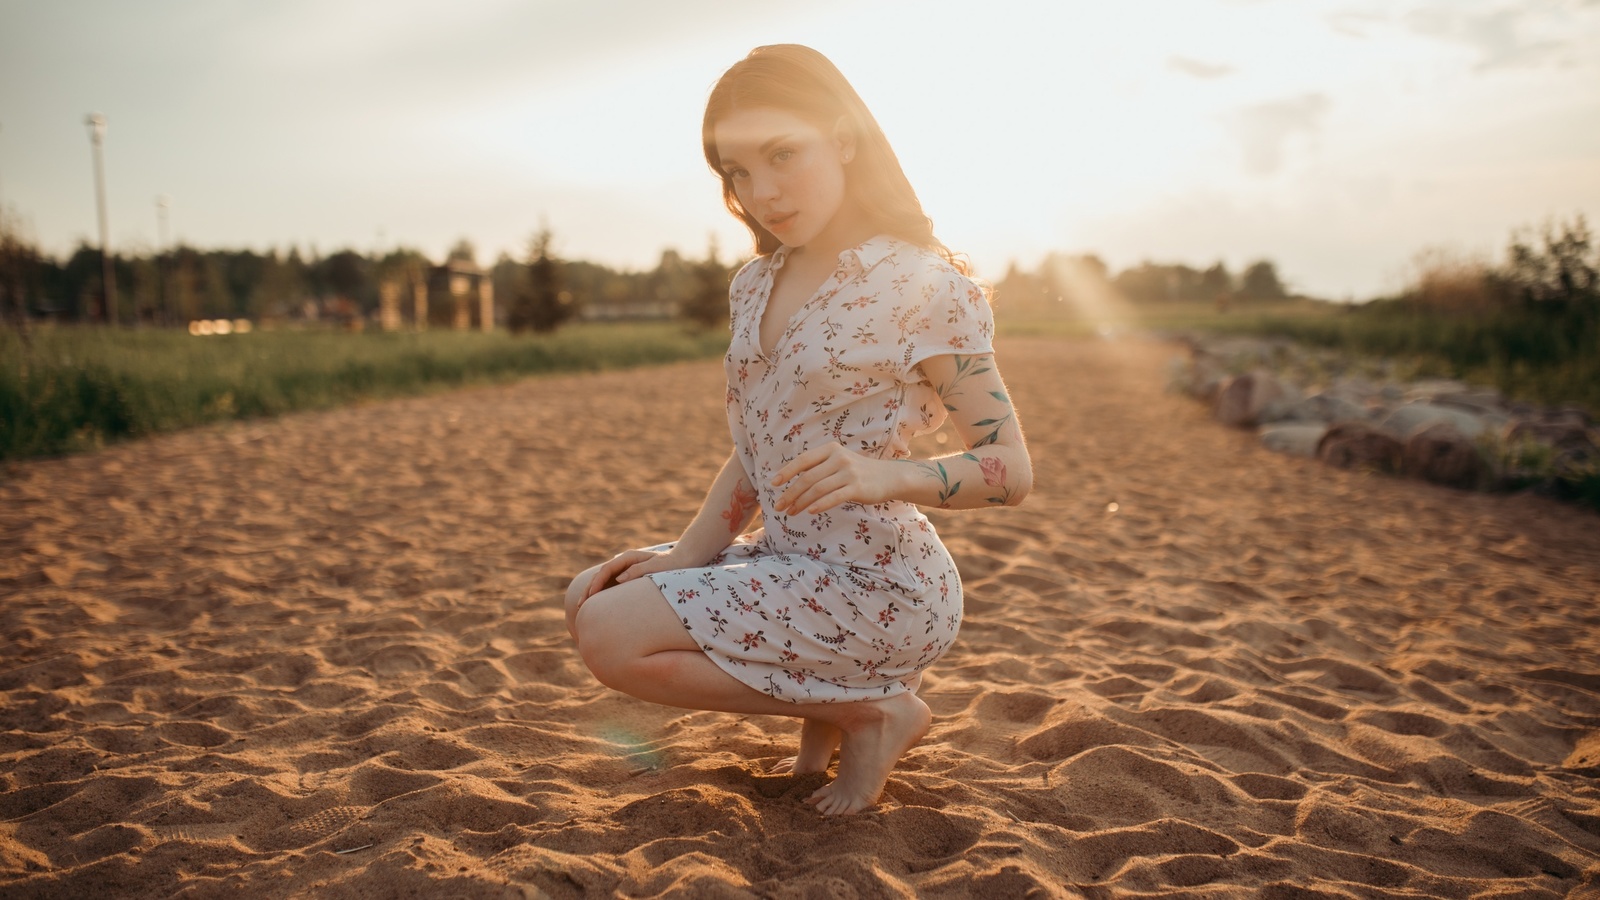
column 825, row 291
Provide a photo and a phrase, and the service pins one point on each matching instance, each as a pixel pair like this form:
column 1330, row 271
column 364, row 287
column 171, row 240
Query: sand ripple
column 323, row 655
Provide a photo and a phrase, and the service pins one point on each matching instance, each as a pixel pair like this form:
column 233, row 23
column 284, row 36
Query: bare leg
column 574, row 601
column 632, row 640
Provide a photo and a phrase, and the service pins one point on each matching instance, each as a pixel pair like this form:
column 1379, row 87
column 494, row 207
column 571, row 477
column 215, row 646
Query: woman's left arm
column 994, row 470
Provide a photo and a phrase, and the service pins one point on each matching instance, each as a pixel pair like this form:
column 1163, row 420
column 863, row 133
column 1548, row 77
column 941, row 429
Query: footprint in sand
column 307, row 831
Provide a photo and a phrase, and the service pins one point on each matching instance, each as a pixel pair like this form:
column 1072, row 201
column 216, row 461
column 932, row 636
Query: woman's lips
column 779, row 223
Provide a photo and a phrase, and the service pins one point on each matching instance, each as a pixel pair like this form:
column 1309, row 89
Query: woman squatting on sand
column 853, row 330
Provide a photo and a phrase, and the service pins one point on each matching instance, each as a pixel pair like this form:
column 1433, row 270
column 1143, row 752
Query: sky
column 1338, row 138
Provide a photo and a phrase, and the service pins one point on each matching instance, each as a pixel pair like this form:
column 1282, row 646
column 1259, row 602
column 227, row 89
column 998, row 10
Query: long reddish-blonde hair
column 799, row 80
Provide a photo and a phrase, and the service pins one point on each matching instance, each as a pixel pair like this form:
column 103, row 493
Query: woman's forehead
column 754, row 126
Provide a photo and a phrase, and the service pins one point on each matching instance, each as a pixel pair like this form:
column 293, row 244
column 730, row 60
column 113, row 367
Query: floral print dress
column 853, row 602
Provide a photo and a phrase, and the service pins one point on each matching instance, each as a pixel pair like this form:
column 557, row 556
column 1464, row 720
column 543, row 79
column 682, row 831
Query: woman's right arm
column 729, row 506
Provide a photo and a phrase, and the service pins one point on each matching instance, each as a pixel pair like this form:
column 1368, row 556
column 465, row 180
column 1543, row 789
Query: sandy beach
column 324, row 656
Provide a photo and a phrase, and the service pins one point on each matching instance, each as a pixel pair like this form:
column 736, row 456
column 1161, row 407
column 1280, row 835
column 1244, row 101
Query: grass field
column 1542, row 359
column 1552, row 361
column 80, row 387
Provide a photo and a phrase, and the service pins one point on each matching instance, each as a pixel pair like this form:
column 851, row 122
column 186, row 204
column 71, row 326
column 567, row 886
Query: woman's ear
column 844, row 137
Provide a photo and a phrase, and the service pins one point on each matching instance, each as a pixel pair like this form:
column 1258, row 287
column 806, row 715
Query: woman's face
column 787, row 173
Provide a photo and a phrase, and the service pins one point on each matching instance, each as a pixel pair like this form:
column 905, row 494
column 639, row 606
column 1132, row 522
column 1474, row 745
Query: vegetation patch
column 70, row 388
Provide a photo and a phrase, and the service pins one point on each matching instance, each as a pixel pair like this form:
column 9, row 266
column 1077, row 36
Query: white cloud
column 1500, row 36
column 1199, row 69
column 1264, row 130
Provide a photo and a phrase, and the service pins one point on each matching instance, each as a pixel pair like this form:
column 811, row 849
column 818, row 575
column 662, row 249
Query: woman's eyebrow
column 766, row 147
column 774, row 141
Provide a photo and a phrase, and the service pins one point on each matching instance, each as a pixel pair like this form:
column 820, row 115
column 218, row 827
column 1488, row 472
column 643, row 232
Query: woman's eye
column 782, row 155
column 737, row 173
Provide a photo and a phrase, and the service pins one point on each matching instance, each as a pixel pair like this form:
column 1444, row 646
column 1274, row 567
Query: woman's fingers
column 804, row 462
column 835, row 487
column 807, row 471
column 805, row 481
column 613, row 570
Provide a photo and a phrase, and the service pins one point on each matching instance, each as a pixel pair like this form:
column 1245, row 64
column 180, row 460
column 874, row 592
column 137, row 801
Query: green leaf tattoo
column 994, row 435
column 966, row 367
column 937, row 471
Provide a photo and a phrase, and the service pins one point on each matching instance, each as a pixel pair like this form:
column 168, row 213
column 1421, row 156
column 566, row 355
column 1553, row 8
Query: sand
column 324, row 656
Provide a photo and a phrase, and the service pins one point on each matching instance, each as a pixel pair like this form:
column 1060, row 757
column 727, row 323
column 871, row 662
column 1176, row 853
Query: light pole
column 97, row 137
column 163, row 203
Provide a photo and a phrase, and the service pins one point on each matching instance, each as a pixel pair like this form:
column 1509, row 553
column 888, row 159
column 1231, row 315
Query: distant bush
column 1451, row 283
column 1530, row 327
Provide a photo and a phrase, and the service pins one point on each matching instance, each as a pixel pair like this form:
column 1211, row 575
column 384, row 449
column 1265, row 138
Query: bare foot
column 818, row 740
column 872, row 742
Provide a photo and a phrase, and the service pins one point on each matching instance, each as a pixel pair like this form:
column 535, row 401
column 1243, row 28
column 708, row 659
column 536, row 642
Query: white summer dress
column 850, row 603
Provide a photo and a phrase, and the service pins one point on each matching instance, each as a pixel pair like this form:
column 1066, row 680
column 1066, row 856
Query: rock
column 1357, row 445
column 1207, row 375
column 1244, row 399
column 1328, row 408
column 1356, row 390
column 1558, row 430
column 1295, row 439
column 1403, row 421
column 1483, row 402
column 1429, row 388
column 1443, row 455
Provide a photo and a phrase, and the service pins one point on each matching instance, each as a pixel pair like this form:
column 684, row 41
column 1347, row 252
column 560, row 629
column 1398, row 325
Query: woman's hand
column 627, row 566
column 826, row 476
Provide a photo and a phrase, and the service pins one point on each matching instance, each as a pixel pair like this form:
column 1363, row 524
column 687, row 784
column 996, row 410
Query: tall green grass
column 1542, row 358
column 80, row 387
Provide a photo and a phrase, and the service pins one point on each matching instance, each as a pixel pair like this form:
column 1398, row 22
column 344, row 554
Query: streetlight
column 163, row 203
column 97, row 137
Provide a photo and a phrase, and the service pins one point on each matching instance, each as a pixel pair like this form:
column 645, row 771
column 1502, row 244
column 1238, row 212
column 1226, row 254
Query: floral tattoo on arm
column 992, row 468
column 740, row 506
column 966, row 367
column 935, row 469
column 994, row 475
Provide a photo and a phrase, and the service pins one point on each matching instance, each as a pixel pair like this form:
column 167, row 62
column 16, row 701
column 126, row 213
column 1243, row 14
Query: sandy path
column 228, row 654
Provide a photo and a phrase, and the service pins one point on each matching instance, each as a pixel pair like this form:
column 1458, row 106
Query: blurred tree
column 20, row 269
column 1216, row 282
column 1260, row 282
column 1018, row 290
column 1216, row 285
column 246, row 270
column 509, row 278
column 463, row 251
column 1146, row 283
column 315, row 278
column 183, row 287
column 706, row 303
column 544, row 303
column 146, row 294
column 1559, row 276
column 346, row 277
column 81, row 280
column 216, row 301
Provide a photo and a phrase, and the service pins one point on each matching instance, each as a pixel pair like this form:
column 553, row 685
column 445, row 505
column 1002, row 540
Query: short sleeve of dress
column 742, row 289
column 953, row 317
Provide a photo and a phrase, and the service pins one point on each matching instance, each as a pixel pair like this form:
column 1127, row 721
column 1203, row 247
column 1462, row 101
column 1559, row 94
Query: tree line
column 1081, row 281
column 536, row 292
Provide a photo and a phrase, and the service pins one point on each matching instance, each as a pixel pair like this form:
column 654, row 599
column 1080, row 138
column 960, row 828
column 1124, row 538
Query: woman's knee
column 622, row 625
column 575, row 596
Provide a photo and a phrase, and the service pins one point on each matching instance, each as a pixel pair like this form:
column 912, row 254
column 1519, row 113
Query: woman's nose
column 763, row 186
